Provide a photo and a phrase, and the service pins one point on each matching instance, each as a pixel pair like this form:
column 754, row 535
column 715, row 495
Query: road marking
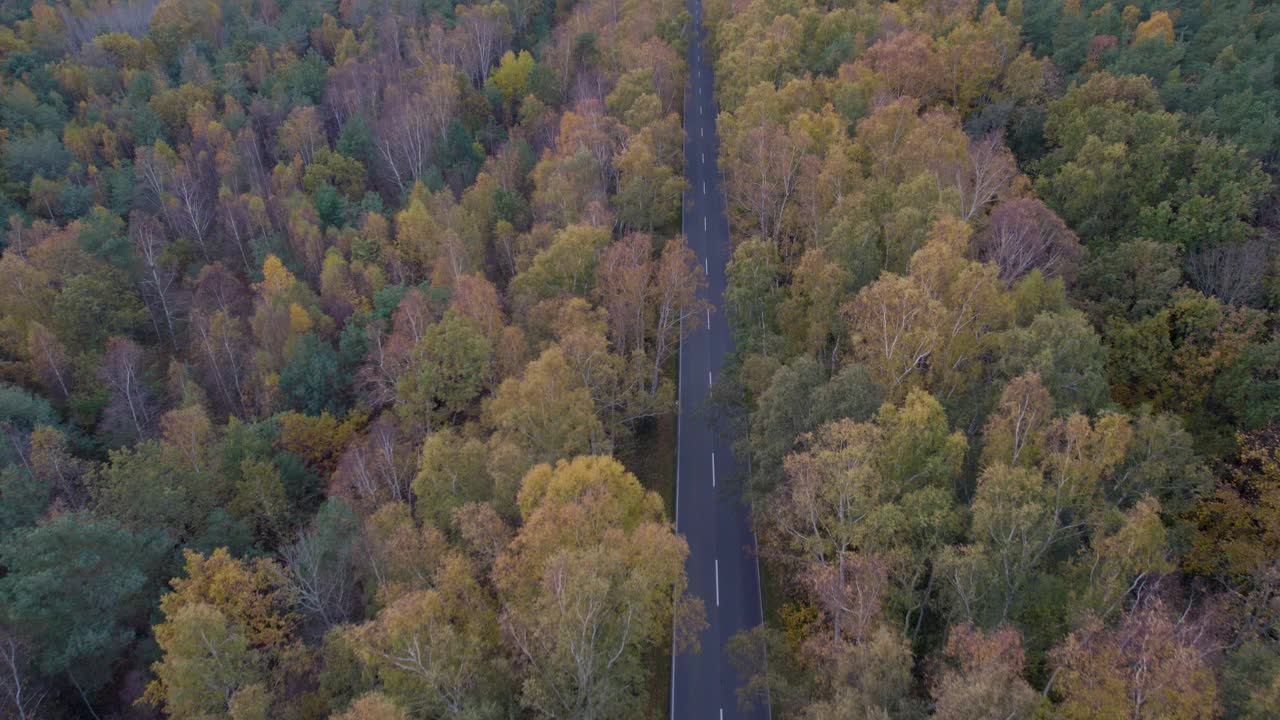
column 709, row 326
column 717, row 582
column 706, row 267
column 704, row 223
column 699, row 110
column 708, row 378
column 713, row 468
column 704, row 158
column 721, row 713
column 704, row 187
column 699, row 132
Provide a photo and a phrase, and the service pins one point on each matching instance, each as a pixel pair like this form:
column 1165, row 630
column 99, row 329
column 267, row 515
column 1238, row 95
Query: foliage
column 78, row 587
column 346, row 305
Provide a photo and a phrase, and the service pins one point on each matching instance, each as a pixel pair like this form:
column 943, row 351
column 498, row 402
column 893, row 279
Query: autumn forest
column 339, row 345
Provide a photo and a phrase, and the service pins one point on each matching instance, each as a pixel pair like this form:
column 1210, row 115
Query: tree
column 988, row 175
column 260, row 499
column 763, row 164
column 1022, row 515
column 752, row 293
column 415, row 115
column 512, row 75
column 373, row 706
column 131, row 409
column 51, row 461
column 1128, row 555
column 376, row 467
column 1157, row 27
column 40, row 154
column 160, row 282
column 447, row 369
column 982, row 676
column 476, row 299
column 566, row 267
column 321, row 565
column 189, row 432
column 25, row 296
column 451, row 473
column 343, row 173
column 800, row 398
column 218, row 336
column 209, row 667
column 22, row 694
column 402, row 556
column 1023, row 235
column 1014, row 434
column 302, row 134
column 1068, row 356
column 810, row 316
column 49, row 359
column 481, row 35
column 94, row 306
column 77, row 587
column 622, row 280
column 907, row 66
column 1236, row 540
column 148, row 486
column 649, row 190
column 183, row 184
column 225, row 624
column 899, row 325
column 1132, row 280
column 1096, row 668
column 436, row 650
column 673, row 295
column 1120, row 165
column 866, row 499
column 310, row 378
column 248, row 592
column 814, row 677
column 1162, row 462
column 1248, row 682
column 1194, row 340
column 1248, row 388
column 1233, row 272
column 588, row 586
column 546, row 412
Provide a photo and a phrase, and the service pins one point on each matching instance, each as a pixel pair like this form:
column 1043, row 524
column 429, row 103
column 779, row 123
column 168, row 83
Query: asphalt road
column 722, row 566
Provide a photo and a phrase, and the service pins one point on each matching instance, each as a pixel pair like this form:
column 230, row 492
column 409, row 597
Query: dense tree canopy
column 301, row 301
column 338, row 344
column 1045, row 229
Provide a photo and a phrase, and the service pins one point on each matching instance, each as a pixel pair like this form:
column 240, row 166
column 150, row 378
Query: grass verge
column 653, row 460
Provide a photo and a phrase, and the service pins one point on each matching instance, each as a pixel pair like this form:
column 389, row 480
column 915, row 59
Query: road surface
column 722, row 566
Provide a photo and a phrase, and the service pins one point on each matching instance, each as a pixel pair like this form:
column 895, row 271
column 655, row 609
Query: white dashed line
column 704, row 187
column 708, row 378
column 717, row 582
column 704, row 224
column 709, row 327
column 713, row 469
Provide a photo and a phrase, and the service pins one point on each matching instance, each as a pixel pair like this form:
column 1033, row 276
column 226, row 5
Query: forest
column 320, row 324
column 1004, row 291
column 337, row 349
